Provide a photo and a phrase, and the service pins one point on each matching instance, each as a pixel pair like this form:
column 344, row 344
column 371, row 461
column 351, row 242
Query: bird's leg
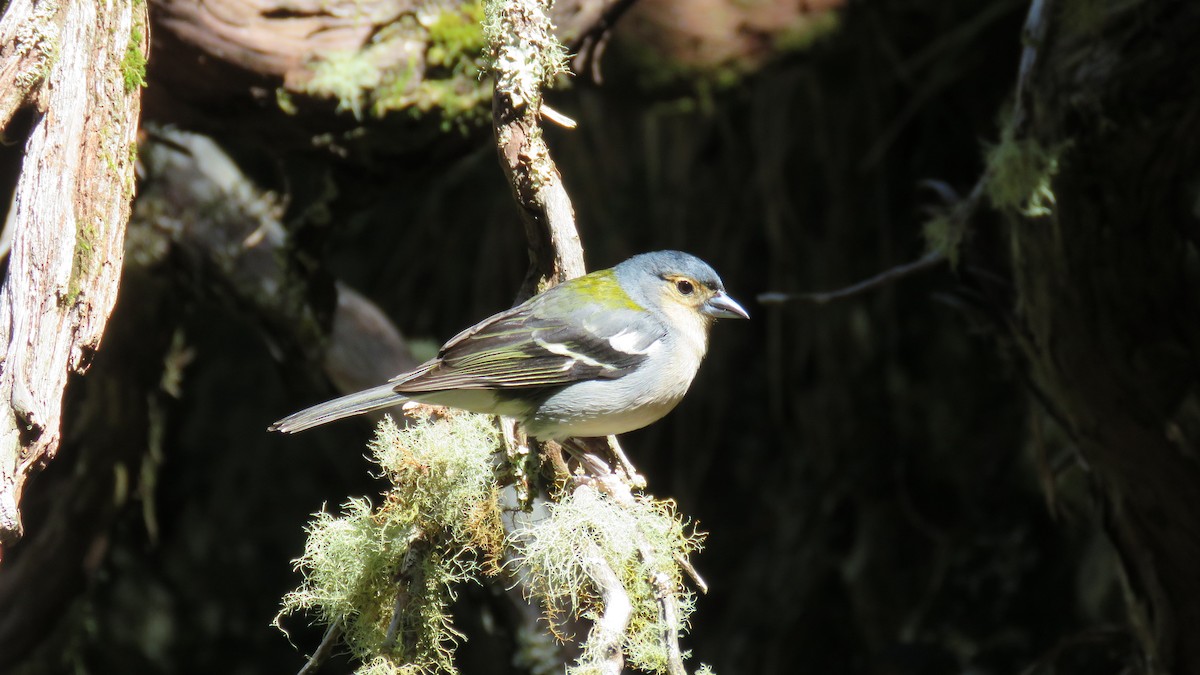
column 592, row 455
column 637, row 480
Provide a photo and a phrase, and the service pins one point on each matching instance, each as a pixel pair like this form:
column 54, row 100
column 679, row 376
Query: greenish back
column 599, row 288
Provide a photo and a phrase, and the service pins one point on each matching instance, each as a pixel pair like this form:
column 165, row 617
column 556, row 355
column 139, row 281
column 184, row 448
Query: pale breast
column 604, row 407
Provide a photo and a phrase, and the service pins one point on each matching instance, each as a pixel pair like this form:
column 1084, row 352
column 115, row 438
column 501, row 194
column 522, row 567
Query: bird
column 597, row 355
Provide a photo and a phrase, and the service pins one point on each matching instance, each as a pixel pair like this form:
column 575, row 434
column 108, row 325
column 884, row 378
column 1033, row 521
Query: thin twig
column 664, row 592
column 686, row 566
column 890, row 276
column 1032, row 36
column 324, row 650
column 636, row 480
column 558, row 118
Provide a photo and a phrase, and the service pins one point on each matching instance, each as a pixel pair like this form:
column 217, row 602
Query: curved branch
column 526, row 56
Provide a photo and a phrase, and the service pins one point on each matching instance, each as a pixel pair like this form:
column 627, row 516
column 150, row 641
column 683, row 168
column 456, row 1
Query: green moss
column 81, row 263
column 445, row 83
column 133, row 64
column 808, row 31
column 456, row 39
column 461, row 103
column 345, row 76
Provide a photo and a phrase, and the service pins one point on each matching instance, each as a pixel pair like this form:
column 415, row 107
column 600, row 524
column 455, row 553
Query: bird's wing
column 548, row 341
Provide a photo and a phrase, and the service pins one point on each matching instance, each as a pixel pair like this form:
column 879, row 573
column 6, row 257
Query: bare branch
column 324, row 650
column 925, row 262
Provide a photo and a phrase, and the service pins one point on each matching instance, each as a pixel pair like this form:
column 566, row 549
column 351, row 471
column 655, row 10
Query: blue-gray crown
column 662, row 263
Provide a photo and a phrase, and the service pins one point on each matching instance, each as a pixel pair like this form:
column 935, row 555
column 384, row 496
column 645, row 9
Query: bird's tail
column 352, row 404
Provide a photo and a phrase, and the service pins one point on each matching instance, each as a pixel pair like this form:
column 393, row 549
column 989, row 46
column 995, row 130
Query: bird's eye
column 684, row 287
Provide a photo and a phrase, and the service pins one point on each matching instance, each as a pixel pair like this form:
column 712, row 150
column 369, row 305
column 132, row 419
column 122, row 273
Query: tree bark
column 29, row 31
column 67, row 225
column 1106, row 309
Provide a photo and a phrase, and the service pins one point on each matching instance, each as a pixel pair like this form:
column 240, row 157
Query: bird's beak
column 722, row 306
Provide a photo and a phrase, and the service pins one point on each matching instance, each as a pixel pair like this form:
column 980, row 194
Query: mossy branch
column 386, row 575
column 525, row 58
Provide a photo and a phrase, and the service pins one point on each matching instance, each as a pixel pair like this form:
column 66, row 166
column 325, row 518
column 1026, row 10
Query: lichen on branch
column 386, row 575
column 525, row 54
column 640, row 541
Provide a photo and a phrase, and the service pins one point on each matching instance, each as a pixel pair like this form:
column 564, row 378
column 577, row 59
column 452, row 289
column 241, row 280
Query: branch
column 925, row 262
column 608, row 631
column 590, row 45
column 527, row 57
column 324, row 650
column 72, row 203
column 957, row 213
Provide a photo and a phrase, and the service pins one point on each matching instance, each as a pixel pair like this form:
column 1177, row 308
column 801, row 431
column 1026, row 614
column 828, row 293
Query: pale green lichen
column 944, row 234
column 637, row 541
column 438, row 526
column 527, row 58
column 386, row 574
column 37, row 38
column 1021, row 174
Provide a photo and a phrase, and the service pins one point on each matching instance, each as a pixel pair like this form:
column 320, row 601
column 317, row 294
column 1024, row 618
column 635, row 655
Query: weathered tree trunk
column 1107, row 308
column 67, row 221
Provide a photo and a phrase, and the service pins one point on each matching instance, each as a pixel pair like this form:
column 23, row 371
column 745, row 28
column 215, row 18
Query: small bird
column 605, row 353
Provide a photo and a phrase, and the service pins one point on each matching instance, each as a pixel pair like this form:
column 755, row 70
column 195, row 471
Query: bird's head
column 671, row 280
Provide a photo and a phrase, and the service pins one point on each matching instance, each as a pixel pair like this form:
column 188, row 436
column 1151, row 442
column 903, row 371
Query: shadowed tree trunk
column 1106, row 290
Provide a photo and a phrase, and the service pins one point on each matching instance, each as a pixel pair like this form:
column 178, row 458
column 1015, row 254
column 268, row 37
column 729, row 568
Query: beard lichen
column 640, row 541
column 386, row 575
